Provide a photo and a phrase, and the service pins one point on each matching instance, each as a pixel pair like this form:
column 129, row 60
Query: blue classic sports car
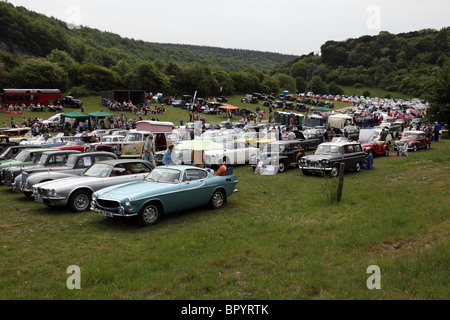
column 165, row 190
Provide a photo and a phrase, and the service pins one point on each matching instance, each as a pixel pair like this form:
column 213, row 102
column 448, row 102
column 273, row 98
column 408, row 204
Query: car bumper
column 50, row 201
column 112, row 212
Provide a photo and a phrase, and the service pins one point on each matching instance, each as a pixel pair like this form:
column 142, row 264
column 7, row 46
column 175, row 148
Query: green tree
column 96, row 78
column 298, row 69
column 317, row 85
column 285, row 82
column 39, row 73
column 439, row 109
column 145, row 76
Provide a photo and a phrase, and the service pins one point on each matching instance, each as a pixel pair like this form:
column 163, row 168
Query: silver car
column 76, row 192
column 75, row 165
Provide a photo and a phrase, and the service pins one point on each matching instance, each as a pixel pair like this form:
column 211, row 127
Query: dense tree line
column 37, row 51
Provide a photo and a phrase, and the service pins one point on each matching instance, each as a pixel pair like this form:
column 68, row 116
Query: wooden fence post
column 341, row 181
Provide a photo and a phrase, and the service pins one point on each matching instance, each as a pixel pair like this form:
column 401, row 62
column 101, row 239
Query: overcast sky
column 285, row 26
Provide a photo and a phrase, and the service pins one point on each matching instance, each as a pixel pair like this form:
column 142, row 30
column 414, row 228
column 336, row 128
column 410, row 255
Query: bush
column 358, row 85
column 366, row 93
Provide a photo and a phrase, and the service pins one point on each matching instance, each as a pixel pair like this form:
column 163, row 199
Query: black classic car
column 281, row 154
column 311, row 138
column 330, row 155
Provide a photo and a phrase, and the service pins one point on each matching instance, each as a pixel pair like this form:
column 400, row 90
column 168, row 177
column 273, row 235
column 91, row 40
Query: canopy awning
column 100, row 114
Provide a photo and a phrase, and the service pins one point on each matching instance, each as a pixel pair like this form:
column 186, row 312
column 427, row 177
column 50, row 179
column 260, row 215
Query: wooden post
column 341, row 181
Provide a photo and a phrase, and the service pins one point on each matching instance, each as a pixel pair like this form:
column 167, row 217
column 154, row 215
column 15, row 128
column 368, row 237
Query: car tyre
column 150, row 214
column 358, row 167
column 281, row 166
column 428, row 146
column 80, row 201
column 334, row 172
column 217, row 200
column 415, row 148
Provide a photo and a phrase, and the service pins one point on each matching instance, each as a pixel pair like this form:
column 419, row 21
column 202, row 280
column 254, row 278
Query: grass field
column 279, row 238
column 374, row 92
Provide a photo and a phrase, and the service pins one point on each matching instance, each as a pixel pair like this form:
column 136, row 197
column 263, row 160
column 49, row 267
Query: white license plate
column 105, row 213
column 37, row 199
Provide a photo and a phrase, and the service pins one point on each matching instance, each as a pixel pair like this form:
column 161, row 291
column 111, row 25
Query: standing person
column 148, row 153
column 325, row 135
column 167, row 158
column 436, row 130
column 383, row 135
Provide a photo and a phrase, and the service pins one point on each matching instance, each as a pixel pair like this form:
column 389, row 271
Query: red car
column 369, row 139
column 414, row 139
column 74, row 145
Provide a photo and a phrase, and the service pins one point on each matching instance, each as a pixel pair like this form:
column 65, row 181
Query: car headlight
column 53, row 193
column 128, row 202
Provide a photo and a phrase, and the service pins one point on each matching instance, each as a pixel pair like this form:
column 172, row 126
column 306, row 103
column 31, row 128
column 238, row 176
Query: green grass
column 279, row 237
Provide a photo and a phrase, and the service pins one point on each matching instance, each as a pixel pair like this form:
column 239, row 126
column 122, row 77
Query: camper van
column 133, row 144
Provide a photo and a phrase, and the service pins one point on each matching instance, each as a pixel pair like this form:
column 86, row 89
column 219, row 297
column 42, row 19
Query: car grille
column 314, row 164
column 8, row 177
column 108, row 203
column 42, row 192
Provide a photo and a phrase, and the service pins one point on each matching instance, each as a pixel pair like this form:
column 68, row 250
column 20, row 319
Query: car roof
column 41, row 149
column 285, row 141
column 118, row 161
column 61, row 151
column 340, row 143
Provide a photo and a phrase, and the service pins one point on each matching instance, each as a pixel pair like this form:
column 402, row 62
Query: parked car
column 76, row 192
column 369, row 139
column 5, row 143
column 48, row 159
column 414, row 139
column 165, row 190
column 106, row 142
column 76, row 165
column 235, row 152
column 281, row 154
column 310, row 138
column 353, row 132
column 329, row 155
column 58, row 141
column 11, row 152
column 77, row 145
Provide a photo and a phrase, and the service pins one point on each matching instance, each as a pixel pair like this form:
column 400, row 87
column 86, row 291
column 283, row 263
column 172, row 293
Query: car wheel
column 150, row 214
column 334, row 172
column 386, row 151
column 79, row 201
column 281, row 166
column 415, row 148
column 358, row 167
column 217, row 199
column 428, row 146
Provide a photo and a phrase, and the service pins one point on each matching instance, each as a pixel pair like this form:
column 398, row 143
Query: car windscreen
column 165, row 175
column 98, row 170
column 368, row 135
column 410, row 135
column 327, row 149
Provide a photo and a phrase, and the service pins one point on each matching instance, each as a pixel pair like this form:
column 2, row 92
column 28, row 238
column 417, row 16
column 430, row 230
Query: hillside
column 406, row 62
column 40, row 51
column 29, row 33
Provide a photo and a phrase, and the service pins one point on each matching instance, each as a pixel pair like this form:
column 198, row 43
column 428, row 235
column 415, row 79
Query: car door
column 193, row 192
column 350, row 156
